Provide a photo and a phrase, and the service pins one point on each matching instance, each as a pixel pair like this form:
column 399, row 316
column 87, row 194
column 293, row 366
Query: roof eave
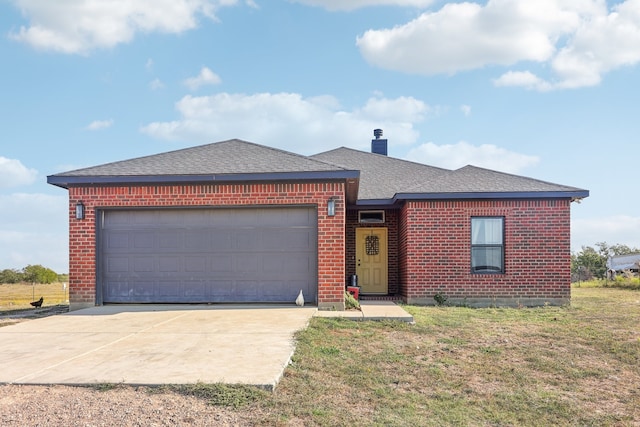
column 65, row 181
column 573, row 195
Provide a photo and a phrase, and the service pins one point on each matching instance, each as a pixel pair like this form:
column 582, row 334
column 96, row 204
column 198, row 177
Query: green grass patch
column 232, row 396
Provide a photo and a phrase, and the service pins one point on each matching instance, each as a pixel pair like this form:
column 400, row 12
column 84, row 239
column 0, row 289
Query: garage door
column 208, row 255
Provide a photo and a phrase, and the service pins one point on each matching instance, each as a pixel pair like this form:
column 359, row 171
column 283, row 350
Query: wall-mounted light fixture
column 79, row 210
column 331, row 207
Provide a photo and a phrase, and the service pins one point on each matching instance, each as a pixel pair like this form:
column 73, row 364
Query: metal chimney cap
column 377, row 133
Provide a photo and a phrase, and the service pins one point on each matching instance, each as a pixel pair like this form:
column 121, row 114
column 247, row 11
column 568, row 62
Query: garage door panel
column 244, row 263
column 169, row 264
column 118, row 240
column 117, row 265
column 220, row 288
column 209, row 255
column 194, row 288
column 299, row 239
column 272, row 263
column 222, row 264
column 221, row 240
column 144, row 240
column 196, row 240
column 299, row 264
column 143, row 288
column 246, row 217
column 169, row 289
column 247, row 288
column 144, row 265
column 118, row 289
column 168, row 240
column 195, row 264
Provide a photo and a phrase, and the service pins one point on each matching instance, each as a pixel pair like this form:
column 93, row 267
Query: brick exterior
column 331, row 230
column 435, row 252
column 391, row 224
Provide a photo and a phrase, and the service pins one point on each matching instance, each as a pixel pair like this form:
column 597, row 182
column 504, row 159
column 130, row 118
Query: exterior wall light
column 79, row 210
column 331, row 207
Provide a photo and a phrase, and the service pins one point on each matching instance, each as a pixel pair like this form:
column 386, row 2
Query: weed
column 350, row 302
column 440, row 298
column 234, row 396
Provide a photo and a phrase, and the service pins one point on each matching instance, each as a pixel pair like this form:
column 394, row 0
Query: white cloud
column 149, row 64
column 524, row 79
column 34, row 231
column 290, row 121
column 455, row 156
column 206, row 77
column 13, row 173
column 346, row 5
column 99, row 124
column 616, row 229
column 156, row 84
column 466, row 110
column 79, row 26
column 577, row 40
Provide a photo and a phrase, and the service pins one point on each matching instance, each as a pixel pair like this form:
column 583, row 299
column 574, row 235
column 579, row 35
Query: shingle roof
column 381, row 177
column 227, row 157
column 232, row 160
column 475, row 179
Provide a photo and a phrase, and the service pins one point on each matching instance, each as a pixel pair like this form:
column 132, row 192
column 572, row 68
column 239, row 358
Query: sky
column 546, row 89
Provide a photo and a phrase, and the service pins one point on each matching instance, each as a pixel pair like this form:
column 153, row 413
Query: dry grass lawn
column 566, row 366
column 18, row 295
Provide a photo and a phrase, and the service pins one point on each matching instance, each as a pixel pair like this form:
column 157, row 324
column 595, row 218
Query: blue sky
column 545, row 89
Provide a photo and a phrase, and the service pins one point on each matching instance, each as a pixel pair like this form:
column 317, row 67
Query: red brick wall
column 435, row 252
column 391, row 223
column 331, row 246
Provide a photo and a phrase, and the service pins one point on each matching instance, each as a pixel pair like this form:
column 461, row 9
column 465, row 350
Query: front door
column 371, row 260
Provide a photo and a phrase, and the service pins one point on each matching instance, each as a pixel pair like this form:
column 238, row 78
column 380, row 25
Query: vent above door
column 371, row 217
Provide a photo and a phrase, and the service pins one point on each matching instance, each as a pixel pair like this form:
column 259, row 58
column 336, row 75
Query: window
column 371, row 217
column 487, row 245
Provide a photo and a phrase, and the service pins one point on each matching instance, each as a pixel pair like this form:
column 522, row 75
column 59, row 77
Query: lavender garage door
column 207, row 255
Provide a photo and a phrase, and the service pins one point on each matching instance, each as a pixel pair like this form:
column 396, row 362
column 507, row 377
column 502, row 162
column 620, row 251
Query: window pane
column 487, row 259
column 486, row 231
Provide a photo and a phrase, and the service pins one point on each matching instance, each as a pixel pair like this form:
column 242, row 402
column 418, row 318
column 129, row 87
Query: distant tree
column 619, row 249
column 590, row 262
column 10, row 276
column 39, row 274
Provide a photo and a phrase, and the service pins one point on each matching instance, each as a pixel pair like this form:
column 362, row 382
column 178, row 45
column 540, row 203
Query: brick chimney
column 378, row 145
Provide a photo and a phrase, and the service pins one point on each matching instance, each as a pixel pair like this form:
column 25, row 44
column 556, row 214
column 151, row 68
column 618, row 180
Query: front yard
column 577, row 365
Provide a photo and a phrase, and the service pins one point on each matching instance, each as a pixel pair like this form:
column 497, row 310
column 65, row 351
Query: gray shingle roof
column 475, row 179
column 381, row 177
column 226, row 157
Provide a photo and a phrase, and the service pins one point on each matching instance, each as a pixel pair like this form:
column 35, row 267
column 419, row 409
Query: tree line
column 32, row 274
column 591, row 263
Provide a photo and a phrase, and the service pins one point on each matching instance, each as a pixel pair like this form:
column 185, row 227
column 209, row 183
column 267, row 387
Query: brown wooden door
column 371, row 260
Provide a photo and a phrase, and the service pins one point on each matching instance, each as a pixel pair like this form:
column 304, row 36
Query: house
column 621, row 263
column 235, row 222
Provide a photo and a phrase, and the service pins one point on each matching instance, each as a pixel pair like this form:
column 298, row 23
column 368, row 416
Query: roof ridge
column 384, row 156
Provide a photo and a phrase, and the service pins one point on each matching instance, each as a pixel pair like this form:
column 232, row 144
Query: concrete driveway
column 150, row 345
